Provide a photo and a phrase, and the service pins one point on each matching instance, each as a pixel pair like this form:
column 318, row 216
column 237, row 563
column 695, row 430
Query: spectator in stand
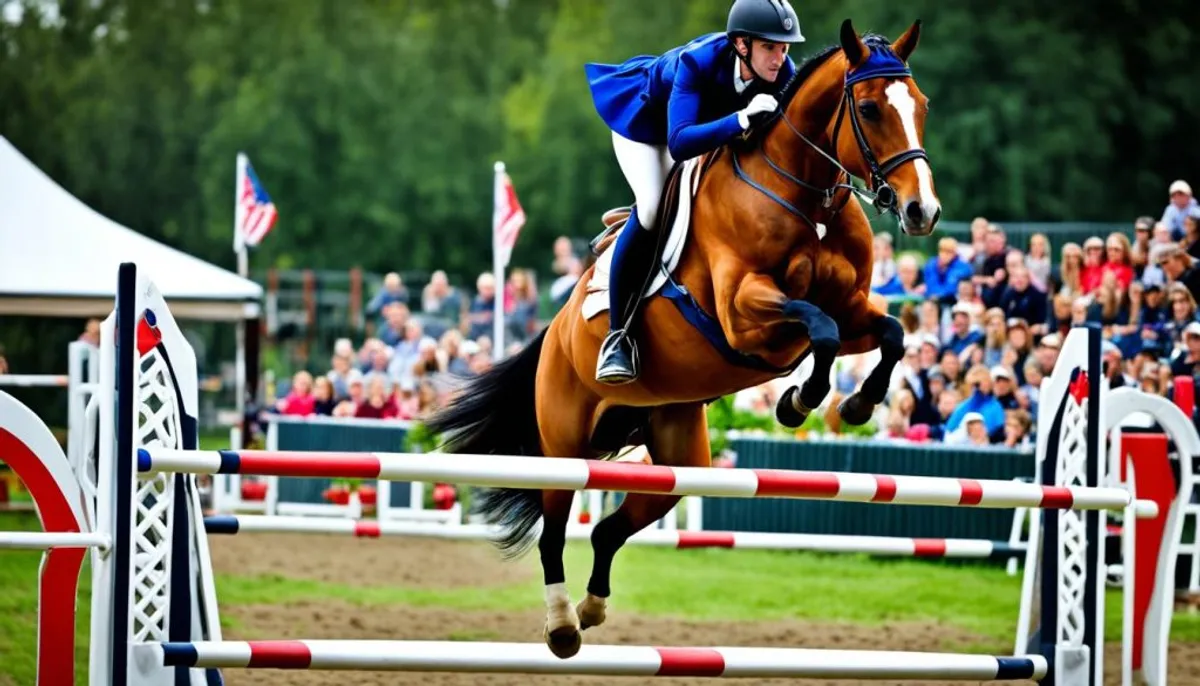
column 379, row 403
column 946, row 402
column 1181, row 201
column 396, row 317
column 1022, row 299
column 393, row 291
column 1093, row 264
column 1004, row 384
column 1118, row 260
column 299, row 401
column 1183, row 313
column 1153, row 274
column 427, row 399
column 407, row 403
column 381, row 360
column 1038, row 261
column 993, row 277
column 461, row 366
column 354, row 396
column 1032, row 372
column 1020, row 343
column 323, row 398
column 521, row 305
column 564, row 256
column 1112, row 361
column 407, row 351
column 1139, row 252
column 981, row 400
column 1180, row 267
column 975, row 253
column 1061, row 310
column 1046, row 353
column 973, row 433
column 968, row 298
column 1108, row 304
column 884, row 267
column 1126, row 333
column 1154, row 317
column 450, row 353
column 479, row 317
column 561, row 289
column 1017, row 423
column 943, row 274
column 339, row 374
column 440, row 299
column 905, row 282
column 951, row 366
column 91, row 332
column 1067, row 277
column 962, row 333
column 1191, row 232
column 930, row 320
column 427, row 363
column 995, row 336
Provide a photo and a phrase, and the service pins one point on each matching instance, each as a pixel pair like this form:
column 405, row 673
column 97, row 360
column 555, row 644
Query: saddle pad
column 596, row 300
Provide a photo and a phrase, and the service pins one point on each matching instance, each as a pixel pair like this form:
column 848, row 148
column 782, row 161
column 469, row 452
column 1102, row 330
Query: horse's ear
column 906, row 44
column 852, row 45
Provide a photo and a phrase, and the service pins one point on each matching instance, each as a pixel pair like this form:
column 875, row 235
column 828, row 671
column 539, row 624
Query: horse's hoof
column 786, row 412
column 855, row 411
column 590, row 611
column 564, row 642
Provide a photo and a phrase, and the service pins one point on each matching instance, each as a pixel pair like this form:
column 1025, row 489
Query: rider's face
column 767, row 58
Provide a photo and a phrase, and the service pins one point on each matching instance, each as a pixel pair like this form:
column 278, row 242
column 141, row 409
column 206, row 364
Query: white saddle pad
column 596, row 300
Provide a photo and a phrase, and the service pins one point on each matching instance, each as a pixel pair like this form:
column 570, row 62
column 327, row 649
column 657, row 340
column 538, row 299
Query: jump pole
column 511, row 471
column 598, row 660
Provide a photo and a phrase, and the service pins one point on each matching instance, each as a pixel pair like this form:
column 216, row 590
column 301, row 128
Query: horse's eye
column 869, row 110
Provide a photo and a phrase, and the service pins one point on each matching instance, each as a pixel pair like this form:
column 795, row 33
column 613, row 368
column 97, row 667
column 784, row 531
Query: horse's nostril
column 913, row 211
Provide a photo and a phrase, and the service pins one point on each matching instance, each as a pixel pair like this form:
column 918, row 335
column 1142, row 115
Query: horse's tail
column 494, row 414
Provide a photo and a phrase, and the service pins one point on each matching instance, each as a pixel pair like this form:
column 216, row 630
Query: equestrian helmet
column 770, row 20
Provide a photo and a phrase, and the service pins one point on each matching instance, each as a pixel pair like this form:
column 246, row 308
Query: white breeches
column 645, row 168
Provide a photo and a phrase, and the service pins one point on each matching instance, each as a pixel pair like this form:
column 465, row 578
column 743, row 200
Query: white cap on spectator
column 408, row 384
column 1001, row 372
column 930, row 339
column 343, row 347
column 1179, row 186
column 961, row 308
column 1192, row 329
column 353, row 376
column 468, row 348
column 1052, row 340
column 972, row 417
column 427, row 343
column 1107, row 346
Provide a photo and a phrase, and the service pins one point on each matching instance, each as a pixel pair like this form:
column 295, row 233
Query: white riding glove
column 758, row 104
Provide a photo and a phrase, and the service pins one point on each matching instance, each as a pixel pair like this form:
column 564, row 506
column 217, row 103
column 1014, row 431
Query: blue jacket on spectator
column 944, row 284
column 892, row 287
column 986, row 405
column 958, row 345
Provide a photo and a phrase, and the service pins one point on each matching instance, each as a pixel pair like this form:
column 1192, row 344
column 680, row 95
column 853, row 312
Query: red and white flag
column 507, row 217
column 255, row 214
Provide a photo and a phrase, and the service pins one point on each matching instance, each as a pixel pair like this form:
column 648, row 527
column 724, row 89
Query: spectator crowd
column 989, row 320
column 419, row 349
column 984, row 321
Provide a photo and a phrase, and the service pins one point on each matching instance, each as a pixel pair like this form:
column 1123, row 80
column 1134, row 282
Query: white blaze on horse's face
column 901, row 99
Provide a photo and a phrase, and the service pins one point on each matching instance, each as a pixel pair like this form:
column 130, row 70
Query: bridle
column 880, row 65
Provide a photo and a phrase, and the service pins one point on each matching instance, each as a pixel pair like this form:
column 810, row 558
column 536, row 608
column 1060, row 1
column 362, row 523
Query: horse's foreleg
column 758, row 303
column 885, row 332
column 678, row 436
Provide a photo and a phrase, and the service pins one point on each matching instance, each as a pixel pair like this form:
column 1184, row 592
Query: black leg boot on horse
column 858, row 408
column 797, row 403
column 632, row 263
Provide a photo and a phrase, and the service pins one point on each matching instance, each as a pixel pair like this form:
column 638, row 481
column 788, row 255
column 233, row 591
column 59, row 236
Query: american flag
column 507, row 216
column 255, row 212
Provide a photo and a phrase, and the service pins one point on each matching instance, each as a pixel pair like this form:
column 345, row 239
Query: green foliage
column 374, row 125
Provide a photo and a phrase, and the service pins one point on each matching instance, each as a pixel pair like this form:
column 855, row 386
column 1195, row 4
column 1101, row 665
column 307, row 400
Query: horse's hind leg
column 562, row 625
column 885, row 332
column 678, row 436
column 796, row 403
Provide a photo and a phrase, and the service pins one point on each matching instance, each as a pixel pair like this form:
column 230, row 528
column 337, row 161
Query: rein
column 879, row 65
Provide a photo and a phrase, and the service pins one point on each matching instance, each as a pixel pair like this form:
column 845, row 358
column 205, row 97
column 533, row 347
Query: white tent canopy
column 59, row 257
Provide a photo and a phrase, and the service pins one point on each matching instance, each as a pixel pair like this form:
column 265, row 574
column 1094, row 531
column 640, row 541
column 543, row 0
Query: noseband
column 880, row 65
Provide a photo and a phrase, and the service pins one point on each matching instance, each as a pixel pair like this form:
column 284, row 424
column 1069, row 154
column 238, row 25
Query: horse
column 756, row 266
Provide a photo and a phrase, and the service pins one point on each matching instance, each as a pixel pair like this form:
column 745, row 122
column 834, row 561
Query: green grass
column 688, row 584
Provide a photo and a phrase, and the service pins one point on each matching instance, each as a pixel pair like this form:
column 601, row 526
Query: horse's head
column 882, row 139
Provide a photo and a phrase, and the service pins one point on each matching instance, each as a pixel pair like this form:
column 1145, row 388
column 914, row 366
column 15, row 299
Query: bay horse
column 755, row 261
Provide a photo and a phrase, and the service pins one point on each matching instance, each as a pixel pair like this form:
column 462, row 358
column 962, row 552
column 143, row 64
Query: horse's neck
column 811, row 110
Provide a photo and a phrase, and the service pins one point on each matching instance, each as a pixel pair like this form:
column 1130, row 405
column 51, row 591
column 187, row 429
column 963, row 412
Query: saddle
column 671, row 228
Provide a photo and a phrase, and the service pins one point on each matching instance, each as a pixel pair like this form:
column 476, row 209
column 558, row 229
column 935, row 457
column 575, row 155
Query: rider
column 680, row 105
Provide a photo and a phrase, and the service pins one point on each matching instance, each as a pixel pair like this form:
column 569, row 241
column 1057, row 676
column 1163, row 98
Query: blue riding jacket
column 684, row 98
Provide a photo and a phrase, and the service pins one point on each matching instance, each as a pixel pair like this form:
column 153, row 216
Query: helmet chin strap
column 746, row 59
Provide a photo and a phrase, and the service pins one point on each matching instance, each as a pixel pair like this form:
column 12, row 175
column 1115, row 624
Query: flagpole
column 497, row 273
column 243, row 267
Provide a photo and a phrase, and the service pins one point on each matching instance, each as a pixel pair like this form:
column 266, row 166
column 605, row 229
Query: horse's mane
column 809, row 66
